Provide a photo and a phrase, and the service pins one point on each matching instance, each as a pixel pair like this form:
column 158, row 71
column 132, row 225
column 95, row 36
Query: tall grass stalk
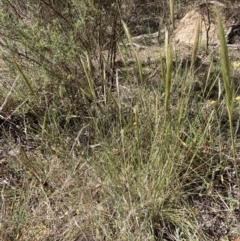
column 183, row 100
column 27, row 82
column 195, row 46
column 228, row 86
column 168, row 77
column 139, row 63
column 208, row 76
column 171, row 6
column 90, row 88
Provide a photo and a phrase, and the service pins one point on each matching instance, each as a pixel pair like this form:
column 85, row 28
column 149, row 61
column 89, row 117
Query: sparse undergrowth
column 94, row 151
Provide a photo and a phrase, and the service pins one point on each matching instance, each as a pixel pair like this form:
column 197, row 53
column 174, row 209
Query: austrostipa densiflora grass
column 228, row 87
column 142, row 161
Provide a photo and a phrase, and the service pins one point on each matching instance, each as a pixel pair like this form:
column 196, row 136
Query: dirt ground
column 205, row 15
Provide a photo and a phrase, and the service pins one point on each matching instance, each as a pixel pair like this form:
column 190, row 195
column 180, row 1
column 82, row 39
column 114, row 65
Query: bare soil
column 205, row 15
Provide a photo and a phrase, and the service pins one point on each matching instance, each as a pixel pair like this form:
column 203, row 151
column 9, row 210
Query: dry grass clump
column 91, row 152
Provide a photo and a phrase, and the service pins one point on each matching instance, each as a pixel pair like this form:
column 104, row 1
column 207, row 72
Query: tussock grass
column 228, row 87
column 113, row 164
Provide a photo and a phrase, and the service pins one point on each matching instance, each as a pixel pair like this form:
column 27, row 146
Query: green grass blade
column 139, row 64
column 195, row 45
column 171, row 6
column 229, row 88
column 168, row 78
column 27, row 82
